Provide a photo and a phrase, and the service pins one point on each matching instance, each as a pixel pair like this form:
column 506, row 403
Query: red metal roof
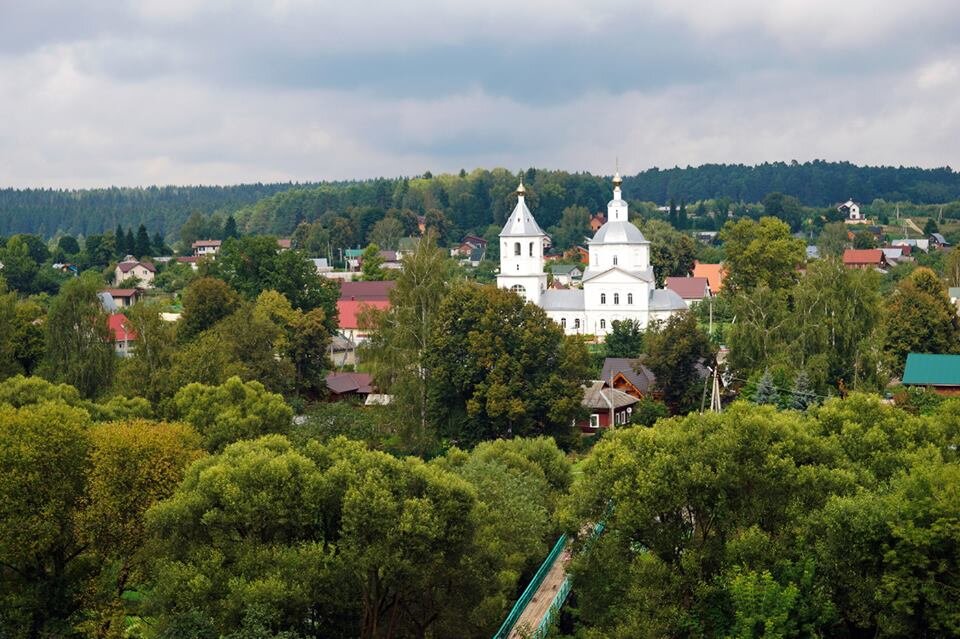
column 366, row 291
column 119, row 329
column 863, row 256
column 689, row 288
column 348, row 310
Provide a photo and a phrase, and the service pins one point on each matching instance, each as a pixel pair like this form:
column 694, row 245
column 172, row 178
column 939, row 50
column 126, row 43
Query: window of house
column 629, row 298
column 614, row 260
column 576, row 323
column 594, row 421
column 531, row 249
column 616, row 298
column 516, row 248
column 603, row 323
column 603, row 298
column 518, row 289
column 563, row 322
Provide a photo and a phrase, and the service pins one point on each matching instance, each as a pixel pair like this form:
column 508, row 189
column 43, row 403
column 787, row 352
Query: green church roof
column 924, row 369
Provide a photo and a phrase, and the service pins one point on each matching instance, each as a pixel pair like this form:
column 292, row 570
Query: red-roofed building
column 122, row 336
column 864, row 258
column 366, row 291
column 284, row 244
column 125, row 297
column 714, row 274
column 129, row 267
column 596, row 221
column 349, row 317
column 691, row 289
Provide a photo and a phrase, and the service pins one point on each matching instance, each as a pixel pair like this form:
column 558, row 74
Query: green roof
column 349, row 253
column 924, row 369
column 562, row 269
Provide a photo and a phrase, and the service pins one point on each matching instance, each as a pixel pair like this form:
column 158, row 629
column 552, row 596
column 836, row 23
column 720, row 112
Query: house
column 343, row 352
column 596, row 221
column 352, row 257
column 206, row 248
column 628, row 375
column 66, row 268
column 565, row 274
column 107, row 302
column 366, row 291
column 476, row 256
column 122, row 336
column 390, row 260
column 938, row 241
column 608, row 407
column 939, row 373
column 851, row 212
column 125, row 297
column 321, row 264
column 130, row 267
column 468, row 245
column 691, row 289
column 864, row 259
column 192, row 260
column 714, row 274
column 349, row 312
column 707, row 237
column 349, row 385
column 284, row 244
column 922, row 244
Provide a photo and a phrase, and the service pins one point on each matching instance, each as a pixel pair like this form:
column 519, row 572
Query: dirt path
column 542, row 599
column 913, row 225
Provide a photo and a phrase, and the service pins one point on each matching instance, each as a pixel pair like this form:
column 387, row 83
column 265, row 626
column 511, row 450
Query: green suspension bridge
column 544, row 596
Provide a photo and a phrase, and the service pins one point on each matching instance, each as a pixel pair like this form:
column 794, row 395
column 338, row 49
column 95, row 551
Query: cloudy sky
column 220, row 91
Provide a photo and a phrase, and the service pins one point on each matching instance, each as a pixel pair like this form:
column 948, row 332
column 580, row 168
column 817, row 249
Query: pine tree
column 673, row 213
column 766, row 393
column 803, row 395
column 129, row 243
column 142, row 243
column 158, row 244
column 230, row 228
column 682, row 216
column 120, row 245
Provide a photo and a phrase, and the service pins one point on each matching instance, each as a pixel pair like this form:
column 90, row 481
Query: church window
column 614, row 260
column 563, row 322
column 518, row 267
column 516, row 248
column 603, row 298
column 531, row 249
column 518, row 289
column 603, row 324
column 629, row 298
column 616, row 298
column 576, row 323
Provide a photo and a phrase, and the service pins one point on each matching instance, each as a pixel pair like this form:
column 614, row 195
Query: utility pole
column 715, row 398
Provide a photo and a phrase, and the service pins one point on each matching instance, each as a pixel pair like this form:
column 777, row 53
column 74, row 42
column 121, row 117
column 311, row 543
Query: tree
column 864, row 240
column 387, row 233
column 144, row 371
column 157, row 245
column 69, row 245
column 9, row 365
column 232, row 411
column 920, row 319
column 438, row 223
column 501, row 368
column 230, row 228
column 574, row 225
column 206, row 301
column 19, row 268
column 397, row 349
column 79, row 345
column 142, row 245
column 129, row 243
column 195, row 228
column 677, row 351
column 952, row 268
column 802, row 394
column 833, row 239
column 784, row 207
column 930, row 227
column 760, row 252
column 765, row 392
column 43, row 466
column 671, row 253
column 371, row 265
column 625, row 339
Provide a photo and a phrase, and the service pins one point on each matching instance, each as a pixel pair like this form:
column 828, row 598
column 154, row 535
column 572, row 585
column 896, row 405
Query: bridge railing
column 531, row 589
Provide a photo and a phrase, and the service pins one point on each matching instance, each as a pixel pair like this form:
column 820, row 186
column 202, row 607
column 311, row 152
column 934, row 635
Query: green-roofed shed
column 941, row 372
column 352, row 254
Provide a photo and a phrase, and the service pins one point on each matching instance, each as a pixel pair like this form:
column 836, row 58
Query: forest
column 466, row 201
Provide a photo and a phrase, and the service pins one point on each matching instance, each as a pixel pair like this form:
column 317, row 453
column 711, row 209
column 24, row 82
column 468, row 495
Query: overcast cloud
column 219, row 91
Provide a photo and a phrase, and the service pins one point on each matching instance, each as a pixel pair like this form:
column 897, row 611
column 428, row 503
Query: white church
column 618, row 283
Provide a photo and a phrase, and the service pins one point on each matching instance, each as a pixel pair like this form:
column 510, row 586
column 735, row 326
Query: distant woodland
column 464, row 201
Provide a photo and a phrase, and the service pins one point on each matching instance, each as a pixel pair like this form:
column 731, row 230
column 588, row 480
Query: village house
column 596, row 221
column 125, row 297
column 714, row 274
column 131, row 267
column 347, row 386
column 206, row 248
column 937, row 241
column 939, row 373
column 851, row 212
column 122, row 336
column 565, row 274
column 284, row 244
column 628, row 375
column 690, row 289
column 608, row 407
column 864, row 259
column 390, row 260
column 192, row 260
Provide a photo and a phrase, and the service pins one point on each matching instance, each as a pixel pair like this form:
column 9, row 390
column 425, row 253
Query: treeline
column 466, row 201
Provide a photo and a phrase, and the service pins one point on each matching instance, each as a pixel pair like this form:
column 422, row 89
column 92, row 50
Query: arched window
column 576, row 323
column 616, row 298
column 563, row 322
column 603, row 324
column 516, row 248
column 531, row 249
column 614, row 260
column 629, row 298
column 518, row 289
column 603, row 298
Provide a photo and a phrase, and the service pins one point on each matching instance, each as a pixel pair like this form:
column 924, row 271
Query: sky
column 224, row 92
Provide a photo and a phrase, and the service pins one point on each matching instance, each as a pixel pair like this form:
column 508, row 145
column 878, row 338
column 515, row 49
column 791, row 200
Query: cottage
column 864, row 259
column 125, row 297
column 130, row 267
column 349, row 313
column 628, row 375
column 284, row 244
column 206, row 248
column 851, row 212
column 691, row 289
column 349, row 385
column 565, row 274
column 122, row 336
column 321, row 264
column 608, row 407
column 938, row 241
column 939, row 373
column 390, row 260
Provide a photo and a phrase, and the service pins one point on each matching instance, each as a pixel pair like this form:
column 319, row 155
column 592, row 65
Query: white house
column 129, row 267
column 204, row 248
column 851, row 211
column 618, row 283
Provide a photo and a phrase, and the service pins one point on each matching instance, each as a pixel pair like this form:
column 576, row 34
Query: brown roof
column 126, row 267
column 689, row 288
column 599, row 396
column 200, row 243
column 632, row 369
column 863, row 256
column 122, row 292
column 189, row 259
column 340, row 383
column 366, row 291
